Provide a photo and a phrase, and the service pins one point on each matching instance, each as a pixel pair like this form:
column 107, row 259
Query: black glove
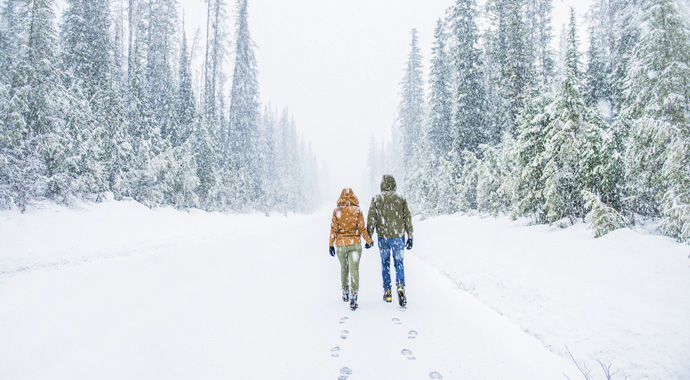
column 408, row 245
column 331, row 250
column 368, row 245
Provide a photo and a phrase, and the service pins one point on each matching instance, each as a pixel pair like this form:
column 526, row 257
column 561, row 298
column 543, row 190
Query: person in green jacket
column 390, row 218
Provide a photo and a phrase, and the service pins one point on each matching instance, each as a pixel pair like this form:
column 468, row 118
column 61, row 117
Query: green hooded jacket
column 388, row 213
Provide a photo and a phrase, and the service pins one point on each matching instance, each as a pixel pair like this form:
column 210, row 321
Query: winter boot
column 402, row 299
column 346, row 295
column 387, row 295
column 353, row 301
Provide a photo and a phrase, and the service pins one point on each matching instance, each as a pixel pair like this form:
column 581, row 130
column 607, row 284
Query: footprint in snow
column 408, row 354
column 435, row 375
column 343, row 334
column 412, row 334
column 345, row 373
column 335, row 351
column 397, row 321
column 343, row 320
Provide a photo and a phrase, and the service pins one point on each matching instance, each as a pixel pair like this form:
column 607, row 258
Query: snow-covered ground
column 118, row 291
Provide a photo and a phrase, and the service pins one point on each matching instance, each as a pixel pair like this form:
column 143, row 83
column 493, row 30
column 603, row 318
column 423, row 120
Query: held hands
column 368, row 245
column 331, row 250
column 408, row 245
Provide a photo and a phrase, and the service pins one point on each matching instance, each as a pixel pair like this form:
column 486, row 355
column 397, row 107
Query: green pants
column 349, row 265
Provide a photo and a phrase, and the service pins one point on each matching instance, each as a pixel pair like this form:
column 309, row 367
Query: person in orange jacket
column 347, row 225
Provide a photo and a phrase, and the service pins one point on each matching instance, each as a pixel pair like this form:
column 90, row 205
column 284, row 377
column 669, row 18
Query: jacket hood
column 388, row 183
column 348, row 198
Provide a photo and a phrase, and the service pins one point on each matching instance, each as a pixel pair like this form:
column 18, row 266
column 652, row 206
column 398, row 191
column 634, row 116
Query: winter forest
column 102, row 100
column 509, row 125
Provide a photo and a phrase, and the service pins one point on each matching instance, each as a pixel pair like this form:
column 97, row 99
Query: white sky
column 337, row 65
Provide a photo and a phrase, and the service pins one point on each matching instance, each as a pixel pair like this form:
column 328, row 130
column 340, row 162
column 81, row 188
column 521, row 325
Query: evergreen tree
column 470, row 99
column 88, row 58
column 517, row 75
column 513, row 56
column 658, row 100
column 216, row 36
column 572, row 153
column 411, row 121
column 603, row 219
column 269, row 155
column 494, row 173
column 528, row 196
column 411, row 114
column 9, row 36
column 185, row 108
column 626, row 32
column 210, row 175
column 595, row 76
column 539, row 36
column 37, row 102
column 145, row 137
column 441, row 133
column 158, row 27
column 244, row 113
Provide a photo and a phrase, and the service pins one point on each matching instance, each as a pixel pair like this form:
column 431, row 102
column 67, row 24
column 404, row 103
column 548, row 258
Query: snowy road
column 258, row 301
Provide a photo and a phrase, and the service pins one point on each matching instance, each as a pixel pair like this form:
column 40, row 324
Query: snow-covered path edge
column 621, row 299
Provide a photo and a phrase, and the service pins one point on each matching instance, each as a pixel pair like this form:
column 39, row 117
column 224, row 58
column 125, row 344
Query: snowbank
column 49, row 235
column 622, row 299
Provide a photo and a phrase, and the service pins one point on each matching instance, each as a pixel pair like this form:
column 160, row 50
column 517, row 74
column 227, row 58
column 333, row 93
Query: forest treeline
column 102, row 101
column 511, row 125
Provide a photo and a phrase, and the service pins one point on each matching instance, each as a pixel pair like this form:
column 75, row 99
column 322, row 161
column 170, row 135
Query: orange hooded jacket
column 348, row 221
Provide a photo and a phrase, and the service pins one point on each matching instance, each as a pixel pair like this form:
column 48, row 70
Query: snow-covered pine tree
column 267, row 149
column 288, row 167
column 37, row 100
column 528, row 195
column 492, row 76
column 539, row 36
column 145, row 137
column 626, row 32
column 95, row 121
column 185, row 105
column 441, row 133
column 445, row 185
column 516, row 73
column 216, row 40
column 158, row 24
column 470, row 98
column 595, row 77
column 9, row 37
column 494, row 172
column 572, row 152
column 244, row 113
column 393, row 154
column 411, row 116
column 311, row 196
column 210, row 175
column 375, row 164
column 183, row 170
column 657, row 107
column 602, row 218
column 467, row 184
column 9, row 138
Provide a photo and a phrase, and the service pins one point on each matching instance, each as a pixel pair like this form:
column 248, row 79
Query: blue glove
column 409, row 243
column 331, row 250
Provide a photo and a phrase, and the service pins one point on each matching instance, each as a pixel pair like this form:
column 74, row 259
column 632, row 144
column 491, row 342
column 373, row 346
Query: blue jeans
column 386, row 247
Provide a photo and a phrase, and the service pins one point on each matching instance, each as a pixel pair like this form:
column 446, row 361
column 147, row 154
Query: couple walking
column 390, row 218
